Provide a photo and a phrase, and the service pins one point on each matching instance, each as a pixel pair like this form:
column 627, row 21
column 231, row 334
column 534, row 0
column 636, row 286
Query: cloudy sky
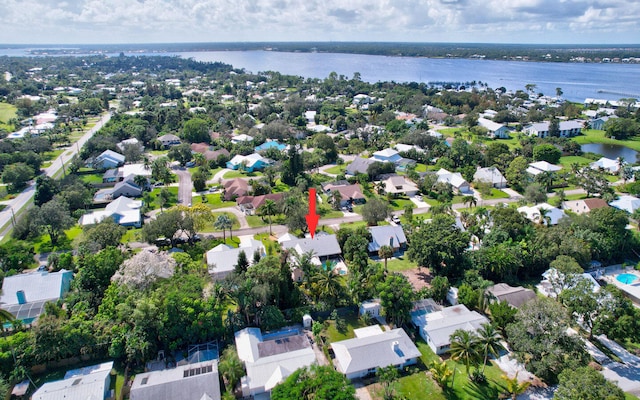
column 493, row 21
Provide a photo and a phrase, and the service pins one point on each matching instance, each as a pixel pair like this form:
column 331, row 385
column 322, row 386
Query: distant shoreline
column 624, row 53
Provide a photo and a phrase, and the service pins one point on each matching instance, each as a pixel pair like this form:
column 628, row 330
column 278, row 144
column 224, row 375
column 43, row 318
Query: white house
column 242, row 138
column 387, row 235
column 108, row 159
column 80, row 384
column 606, row 164
column 387, row 155
column 495, row 130
column 222, row 259
column 533, row 213
column 490, row 175
column 566, row 128
column 454, row 179
column 626, row 203
column 322, row 246
column 437, row 327
column 371, row 307
column 539, row 167
column 129, row 142
column 123, row 210
column 270, row 359
column 373, row 348
column 195, row 381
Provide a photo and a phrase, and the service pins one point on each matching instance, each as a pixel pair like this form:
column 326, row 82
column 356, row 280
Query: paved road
column 24, row 198
column 185, row 187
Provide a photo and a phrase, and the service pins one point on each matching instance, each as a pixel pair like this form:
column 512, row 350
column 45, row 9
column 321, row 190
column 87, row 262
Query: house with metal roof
column 490, row 175
column 359, row 165
column 455, row 179
column 387, row 155
column 198, row 381
column 514, row 296
column 108, row 159
column 24, row 295
column 495, row 130
column 437, row 327
column 123, row 210
column 322, row 246
column 387, row 235
column 270, row 358
column 373, row 348
column 89, row 383
column 222, row 259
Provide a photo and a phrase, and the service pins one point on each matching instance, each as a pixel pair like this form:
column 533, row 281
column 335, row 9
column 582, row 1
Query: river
column 578, row 81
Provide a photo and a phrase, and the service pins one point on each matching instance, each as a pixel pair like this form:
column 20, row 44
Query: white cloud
column 87, row 21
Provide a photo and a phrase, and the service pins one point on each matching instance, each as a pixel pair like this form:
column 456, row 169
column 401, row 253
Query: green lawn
column 7, row 112
column 336, row 169
column 568, row 160
column 211, row 228
column 155, row 194
column 594, row 136
column 421, row 167
column 91, row 179
column 400, row 264
column 255, row 221
column 132, row 235
column 241, row 174
column 496, row 194
column 400, row 203
column 214, row 200
column 351, row 321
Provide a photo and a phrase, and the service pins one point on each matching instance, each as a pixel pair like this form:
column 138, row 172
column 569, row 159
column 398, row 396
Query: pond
column 611, row 151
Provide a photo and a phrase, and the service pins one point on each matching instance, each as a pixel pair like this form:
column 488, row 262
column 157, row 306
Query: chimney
column 391, row 241
column 22, row 298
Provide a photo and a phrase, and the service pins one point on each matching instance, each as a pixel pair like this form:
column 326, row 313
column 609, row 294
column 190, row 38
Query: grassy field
column 241, row 174
column 400, row 203
column 155, row 194
column 336, row 169
column 398, row 264
column 496, row 194
column 594, row 136
column 211, row 228
column 214, row 201
column 91, row 179
column 7, row 112
column 568, row 160
column 351, row 322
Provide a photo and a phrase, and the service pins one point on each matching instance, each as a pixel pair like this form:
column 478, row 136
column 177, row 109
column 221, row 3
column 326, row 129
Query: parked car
column 395, row 219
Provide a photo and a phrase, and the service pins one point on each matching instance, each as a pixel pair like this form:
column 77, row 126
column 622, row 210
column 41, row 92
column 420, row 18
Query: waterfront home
column 270, row 358
column 539, row 167
column 565, row 128
column 373, row 348
column 606, row 164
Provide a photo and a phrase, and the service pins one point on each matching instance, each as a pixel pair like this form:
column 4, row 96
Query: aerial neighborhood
column 158, row 236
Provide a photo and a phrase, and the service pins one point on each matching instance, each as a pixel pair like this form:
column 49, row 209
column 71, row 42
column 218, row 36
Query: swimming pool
column 627, row 279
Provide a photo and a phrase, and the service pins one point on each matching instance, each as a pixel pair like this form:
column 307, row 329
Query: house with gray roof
column 565, row 128
column 359, row 166
column 490, row 175
column 108, row 159
column 322, row 246
column 387, row 235
column 515, row 296
column 398, row 185
column 169, row 140
column 437, row 327
column 24, row 295
column 495, row 130
column 126, row 187
column 373, row 348
column 455, row 179
column 222, row 259
column 270, row 358
column 198, row 381
column 89, row 383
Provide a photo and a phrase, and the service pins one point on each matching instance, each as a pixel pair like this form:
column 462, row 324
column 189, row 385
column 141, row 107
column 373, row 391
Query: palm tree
column 336, row 199
column 199, row 159
column 5, row 316
column 328, row 285
column 513, row 387
column 141, row 181
column 542, row 216
column 385, row 252
column 440, row 372
column 223, row 222
column 464, row 347
column 470, row 200
column 231, row 367
column 268, row 209
column 489, row 340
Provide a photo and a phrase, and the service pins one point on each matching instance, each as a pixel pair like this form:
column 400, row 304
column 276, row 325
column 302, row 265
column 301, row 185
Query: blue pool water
column 627, row 278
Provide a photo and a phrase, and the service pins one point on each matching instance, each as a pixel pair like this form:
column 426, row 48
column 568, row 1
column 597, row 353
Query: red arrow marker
column 312, row 217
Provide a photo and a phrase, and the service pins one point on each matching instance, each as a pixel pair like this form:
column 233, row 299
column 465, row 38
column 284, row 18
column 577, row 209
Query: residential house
column 539, row 167
column 349, row 194
column 235, row 188
column 323, row 246
column 403, row 148
column 398, row 185
column 566, row 128
column 494, row 129
column 455, row 179
column 134, row 169
column 223, row 258
column 310, row 116
column 598, row 122
column 491, row 175
column 626, row 203
column 270, row 358
column 250, row 163
column 129, row 142
column 123, row 210
column 169, row 140
column 81, row 384
column 111, row 176
column 127, row 188
column 437, row 327
column 371, row 307
column 242, row 138
column 515, row 296
column 359, row 166
column 552, row 215
column 108, row 159
column 584, row 206
column 554, row 282
column 198, row 381
column 387, row 155
column 24, row 295
column 214, row 155
column 607, row 165
column 270, row 144
column 373, row 348
column 250, row 204
column 387, row 235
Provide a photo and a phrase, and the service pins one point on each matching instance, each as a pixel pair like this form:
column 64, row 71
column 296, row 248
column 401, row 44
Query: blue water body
column 611, row 151
column 577, row 81
column 626, row 278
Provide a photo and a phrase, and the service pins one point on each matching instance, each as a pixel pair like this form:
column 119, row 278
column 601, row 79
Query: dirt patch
column 418, row 277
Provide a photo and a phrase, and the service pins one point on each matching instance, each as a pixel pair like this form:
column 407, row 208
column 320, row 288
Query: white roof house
column 108, row 159
column 539, row 167
column 490, row 175
column 626, row 203
column 373, row 348
column 533, row 213
column 196, row 381
column 129, row 142
column 402, row 148
column 455, row 179
column 322, row 246
column 270, row 361
column 134, row 169
column 123, row 210
column 24, row 295
column 607, row 164
column 242, row 138
column 437, row 327
column 89, row 383
column 400, row 185
column 223, row 258
column 566, row 128
column 387, row 155
column 387, row 235
column 495, row 129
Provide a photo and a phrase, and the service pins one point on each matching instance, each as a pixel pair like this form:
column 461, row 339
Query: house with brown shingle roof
column 249, row 204
column 235, row 188
column 349, row 194
column 584, row 206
